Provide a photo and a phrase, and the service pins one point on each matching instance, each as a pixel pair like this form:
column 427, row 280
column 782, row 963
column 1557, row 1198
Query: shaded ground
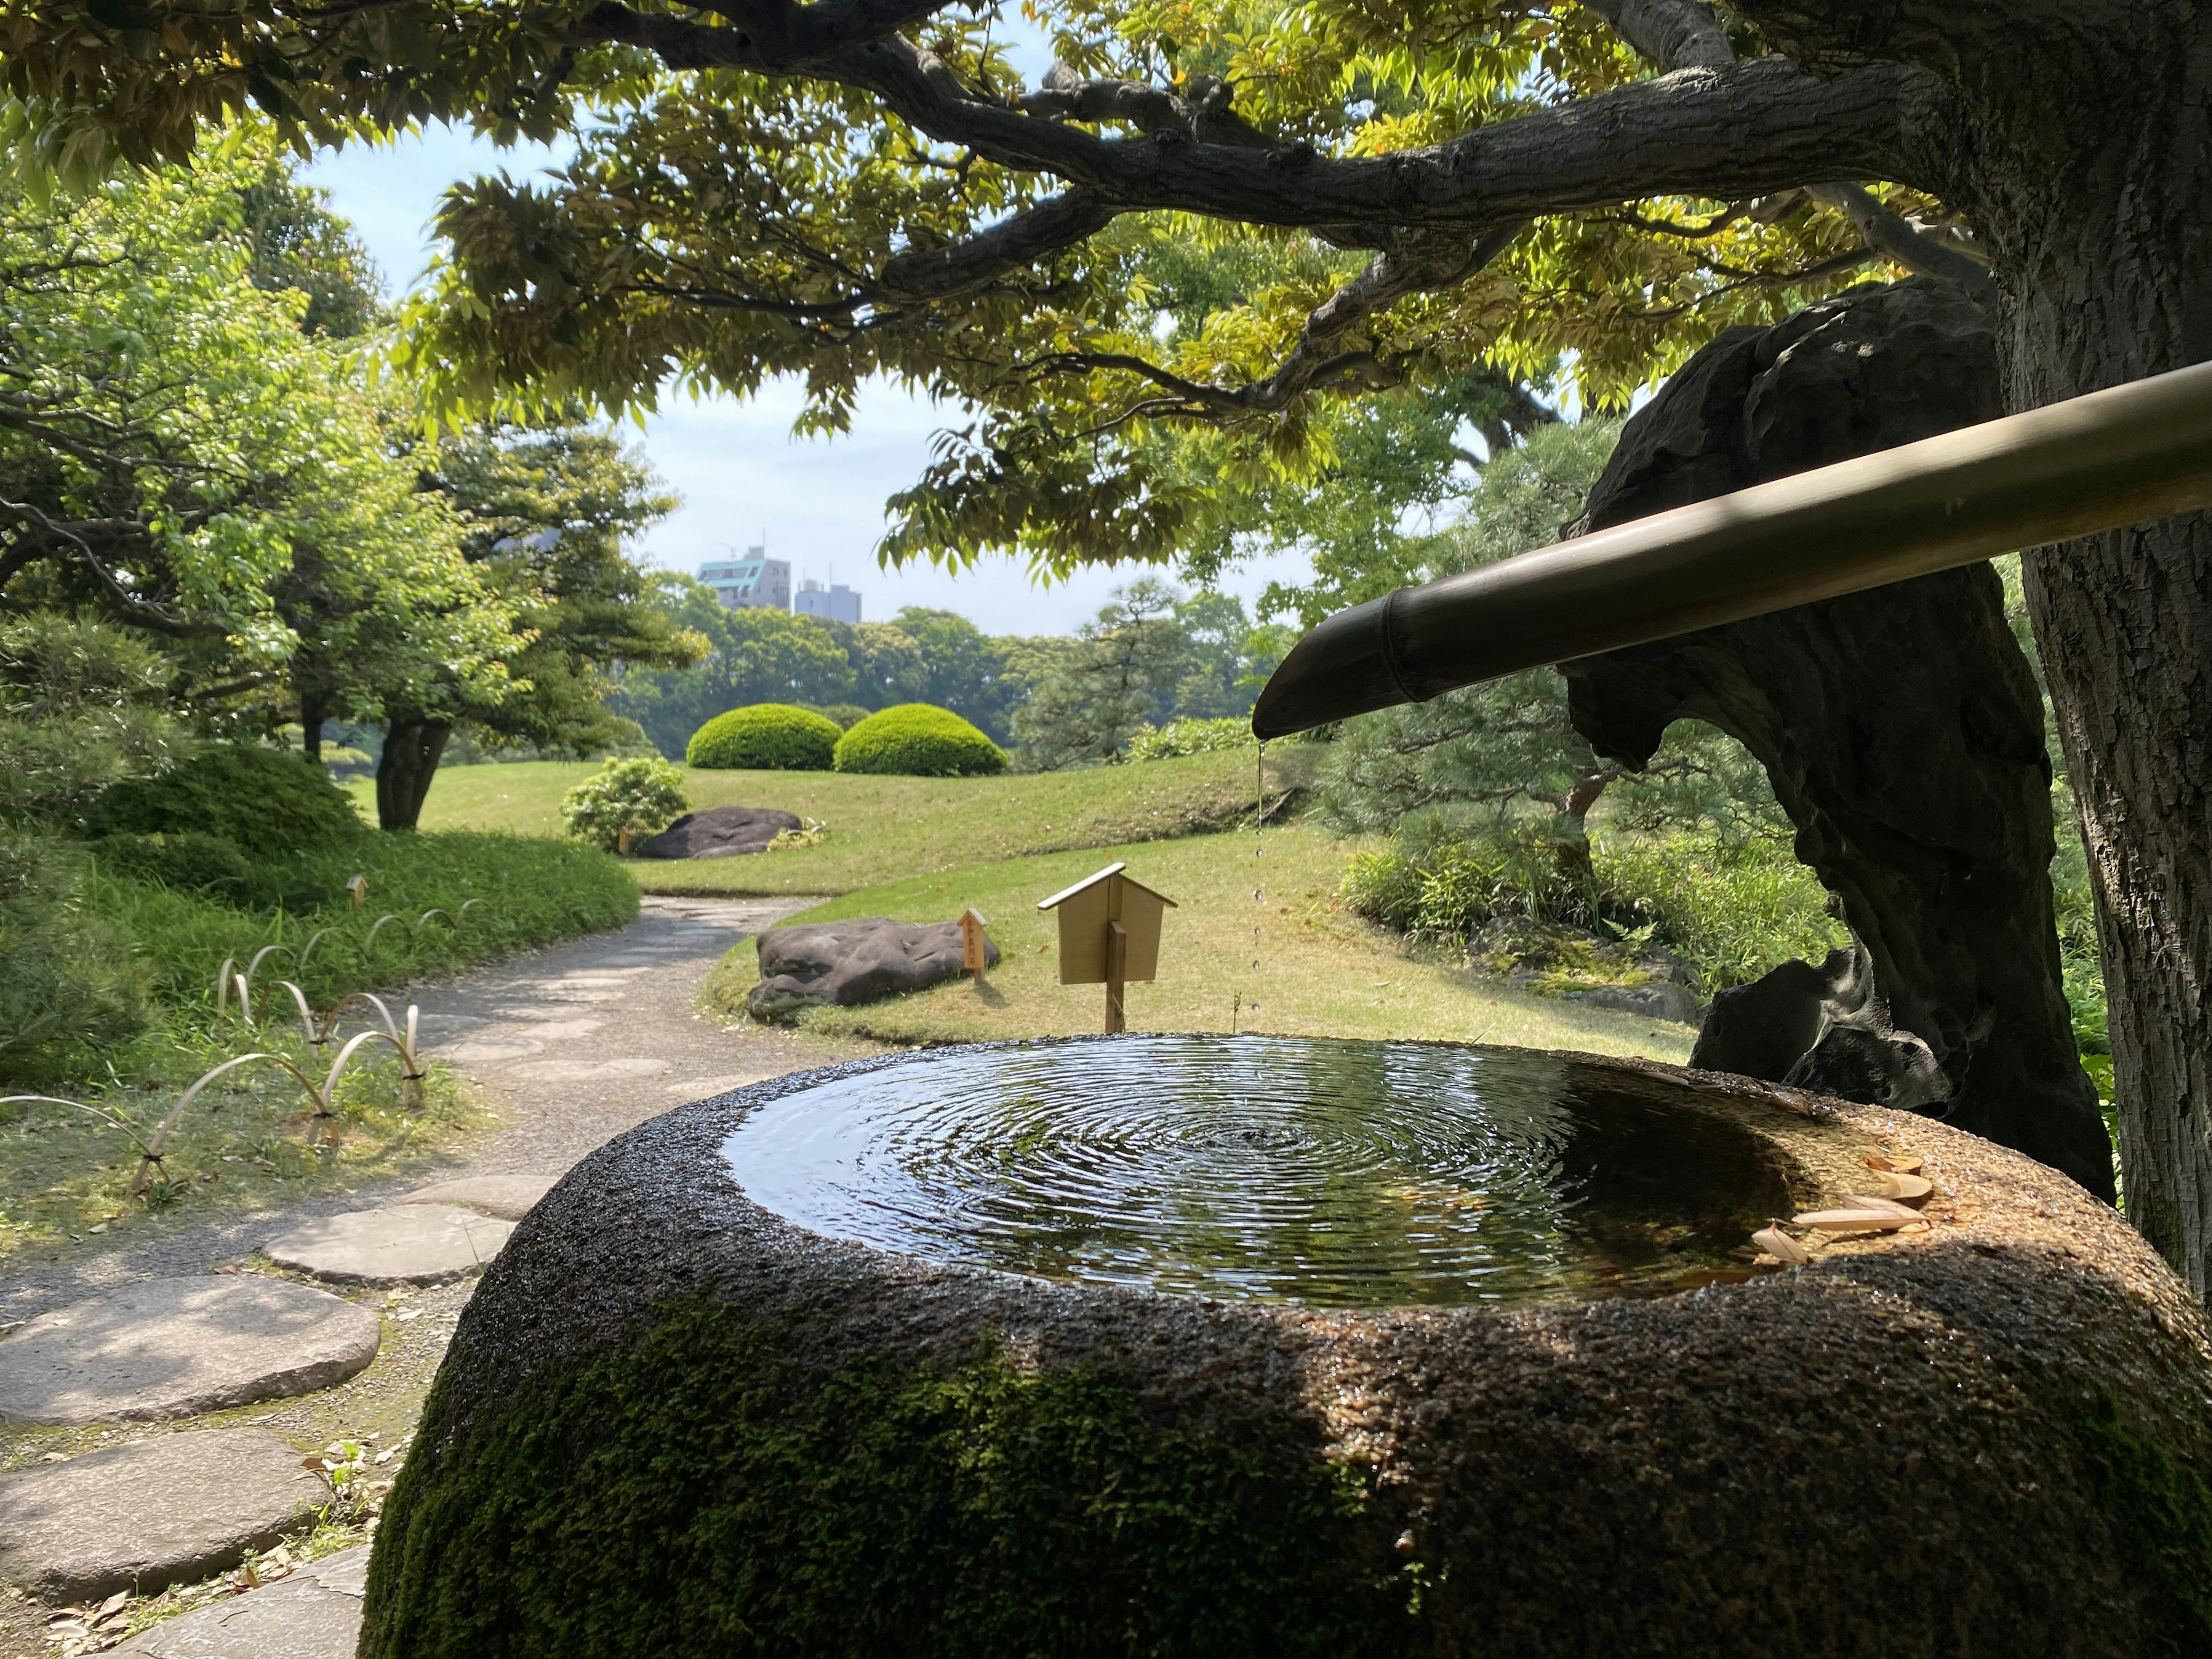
column 570, row 1046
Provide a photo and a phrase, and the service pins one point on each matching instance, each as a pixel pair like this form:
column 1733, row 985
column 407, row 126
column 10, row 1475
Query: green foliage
column 1736, row 907
column 1443, row 888
column 1190, row 735
column 847, row 715
column 266, row 802
column 74, row 990
column 534, row 891
column 700, row 1491
column 918, row 740
column 1123, row 669
column 186, row 859
column 80, row 709
column 754, row 655
column 637, row 797
column 768, row 737
column 2163, row 1509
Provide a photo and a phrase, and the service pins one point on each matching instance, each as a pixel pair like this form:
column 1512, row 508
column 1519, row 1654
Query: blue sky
column 737, row 467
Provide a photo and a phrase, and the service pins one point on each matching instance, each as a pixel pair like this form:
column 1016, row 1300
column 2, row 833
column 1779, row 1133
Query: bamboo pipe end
column 1341, row 668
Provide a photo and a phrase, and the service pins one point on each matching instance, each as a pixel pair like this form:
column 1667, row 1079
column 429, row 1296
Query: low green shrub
column 920, row 740
column 74, row 989
column 625, row 800
column 533, row 891
column 1737, row 909
column 1442, row 888
column 766, row 737
column 269, row 803
column 1190, row 735
column 187, row 860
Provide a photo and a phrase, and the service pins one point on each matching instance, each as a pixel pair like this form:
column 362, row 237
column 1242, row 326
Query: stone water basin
column 1261, row 1346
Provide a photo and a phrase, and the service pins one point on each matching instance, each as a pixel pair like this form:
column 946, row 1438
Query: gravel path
column 571, row 1045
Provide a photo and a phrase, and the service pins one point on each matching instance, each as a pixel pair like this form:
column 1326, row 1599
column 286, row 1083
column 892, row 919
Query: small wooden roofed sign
column 1109, row 933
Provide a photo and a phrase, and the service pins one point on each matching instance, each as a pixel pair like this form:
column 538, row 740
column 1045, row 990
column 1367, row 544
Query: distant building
column 836, row 602
column 755, row 580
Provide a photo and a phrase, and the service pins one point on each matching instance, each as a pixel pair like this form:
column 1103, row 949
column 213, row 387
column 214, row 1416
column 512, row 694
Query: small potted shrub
column 625, row 800
column 919, row 739
column 766, row 737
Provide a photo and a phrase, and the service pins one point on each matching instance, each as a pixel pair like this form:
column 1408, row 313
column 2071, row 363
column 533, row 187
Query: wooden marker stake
column 971, row 944
column 1117, row 967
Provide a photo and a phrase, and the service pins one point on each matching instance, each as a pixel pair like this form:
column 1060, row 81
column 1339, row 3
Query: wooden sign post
column 1109, row 933
column 972, row 943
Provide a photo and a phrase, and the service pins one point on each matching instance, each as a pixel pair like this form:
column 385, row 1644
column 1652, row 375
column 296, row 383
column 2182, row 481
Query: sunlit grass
column 1322, row 972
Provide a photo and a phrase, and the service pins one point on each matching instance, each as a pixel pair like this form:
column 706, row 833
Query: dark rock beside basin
column 670, row 1421
column 719, row 832
column 842, row 964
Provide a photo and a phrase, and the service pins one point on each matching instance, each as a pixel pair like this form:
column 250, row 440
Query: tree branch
column 1020, row 240
column 1673, row 34
column 769, row 36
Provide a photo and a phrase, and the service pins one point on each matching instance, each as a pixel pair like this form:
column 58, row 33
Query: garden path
column 571, row 1046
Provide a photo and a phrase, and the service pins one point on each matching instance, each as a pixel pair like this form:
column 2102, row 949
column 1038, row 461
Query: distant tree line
column 1153, row 654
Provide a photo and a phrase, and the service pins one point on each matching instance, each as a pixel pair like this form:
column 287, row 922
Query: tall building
column 754, row 579
column 836, row 602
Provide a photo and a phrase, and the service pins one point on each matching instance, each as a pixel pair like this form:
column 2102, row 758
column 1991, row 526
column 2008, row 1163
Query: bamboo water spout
column 2095, row 463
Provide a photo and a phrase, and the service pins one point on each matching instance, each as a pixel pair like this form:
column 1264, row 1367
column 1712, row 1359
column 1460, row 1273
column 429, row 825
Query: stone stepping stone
column 510, row 1197
column 315, row 1613
column 408, row 1244
column 174, row 1347
column 169, row 1510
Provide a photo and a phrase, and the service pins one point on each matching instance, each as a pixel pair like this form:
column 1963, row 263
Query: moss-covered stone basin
column 1015, row 1387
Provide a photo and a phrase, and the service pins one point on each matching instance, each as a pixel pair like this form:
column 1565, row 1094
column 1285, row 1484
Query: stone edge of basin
column 1910, row 1434
column 662, row 1232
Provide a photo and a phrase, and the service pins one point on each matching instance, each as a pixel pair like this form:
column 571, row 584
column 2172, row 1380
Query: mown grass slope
column 884, row 829
column 1321, row 971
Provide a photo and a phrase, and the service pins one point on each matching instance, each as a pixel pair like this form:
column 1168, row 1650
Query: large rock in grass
column 719, row 832
column 672, row 1420
column 839, row 963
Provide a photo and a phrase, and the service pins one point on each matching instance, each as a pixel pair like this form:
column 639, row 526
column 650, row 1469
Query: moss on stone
column 698, row 1493
column 2162, row 1508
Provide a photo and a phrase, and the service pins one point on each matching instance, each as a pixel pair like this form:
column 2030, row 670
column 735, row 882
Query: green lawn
column 884, row 829
column 1322, row 972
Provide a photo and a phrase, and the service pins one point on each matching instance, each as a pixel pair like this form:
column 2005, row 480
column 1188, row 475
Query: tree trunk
column 1901, row 728
column 412, row 745
column 312, row 706
column 2125, row 624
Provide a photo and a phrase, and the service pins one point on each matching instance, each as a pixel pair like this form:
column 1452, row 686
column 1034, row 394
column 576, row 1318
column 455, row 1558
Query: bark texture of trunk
column 412, row 745
column 1902, row 728
column 2106, row 285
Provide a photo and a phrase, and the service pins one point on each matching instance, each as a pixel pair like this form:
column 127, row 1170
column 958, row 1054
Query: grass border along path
column 1322, row 972
column 883, row 828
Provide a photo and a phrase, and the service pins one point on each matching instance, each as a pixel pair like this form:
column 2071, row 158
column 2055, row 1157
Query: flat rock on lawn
column 719, row 832
column 174, row 1348
column 314, row 1614
column 408, row 1244
column 510, row 1197
column 169, row 1510
column 845, row 963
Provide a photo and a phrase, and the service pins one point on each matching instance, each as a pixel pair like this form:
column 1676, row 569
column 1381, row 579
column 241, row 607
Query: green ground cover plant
column 622, row 801
column 914, row 739
column 1322, row 970
column 766, row 737
column 882, row 828
column 266, row 802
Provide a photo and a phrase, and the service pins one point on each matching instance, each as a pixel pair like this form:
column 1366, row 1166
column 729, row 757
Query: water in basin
column 1332, row 1172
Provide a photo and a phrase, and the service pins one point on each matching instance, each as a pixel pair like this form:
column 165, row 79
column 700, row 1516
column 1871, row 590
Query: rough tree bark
column 412, row 746
column 1902, row 728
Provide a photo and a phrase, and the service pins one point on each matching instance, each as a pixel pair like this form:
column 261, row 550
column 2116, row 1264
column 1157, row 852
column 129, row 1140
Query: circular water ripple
column 1332, row 1172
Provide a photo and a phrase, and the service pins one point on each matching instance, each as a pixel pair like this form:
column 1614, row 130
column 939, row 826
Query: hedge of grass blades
column 266, row 802
column 454, row 897
column 765, row 737
column 919, row 740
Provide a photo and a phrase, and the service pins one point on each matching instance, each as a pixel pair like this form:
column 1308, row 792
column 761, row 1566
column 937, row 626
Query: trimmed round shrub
column 641, row 796
column 186, row 862
column 921, row 740
column 767, row 737
column 269, row 803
